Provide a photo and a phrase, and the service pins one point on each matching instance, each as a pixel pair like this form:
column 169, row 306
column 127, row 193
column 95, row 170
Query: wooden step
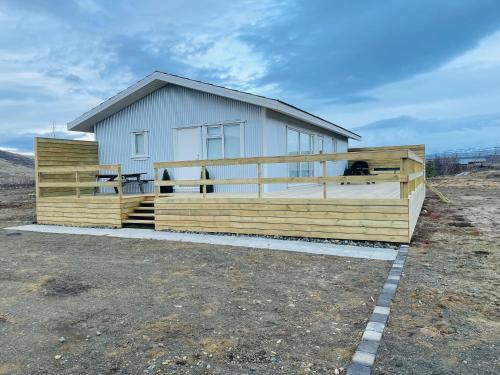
column 144, row 208
column 141, row 214
column 131, row 221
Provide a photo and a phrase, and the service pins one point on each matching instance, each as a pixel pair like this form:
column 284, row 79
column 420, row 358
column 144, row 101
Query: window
column 214, row 142
column 334, row 145
column 321, row 145
column 139, row 144
column 299, row 143
column 223, row 141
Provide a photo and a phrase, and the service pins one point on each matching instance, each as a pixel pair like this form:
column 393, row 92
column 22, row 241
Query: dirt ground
column 17, row 206
column 445, row 318
column 91, row 305
column 128, row 307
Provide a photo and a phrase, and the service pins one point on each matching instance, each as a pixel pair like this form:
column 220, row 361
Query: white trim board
column 375, row 253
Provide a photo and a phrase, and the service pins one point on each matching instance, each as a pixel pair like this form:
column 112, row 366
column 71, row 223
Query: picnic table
column 127, row 178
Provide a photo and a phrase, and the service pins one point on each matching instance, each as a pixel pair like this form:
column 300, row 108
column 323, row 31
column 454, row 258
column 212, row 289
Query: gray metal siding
column 172, row 107
column 275, row 127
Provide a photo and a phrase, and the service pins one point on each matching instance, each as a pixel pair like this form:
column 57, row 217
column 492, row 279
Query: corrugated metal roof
column 154, row 81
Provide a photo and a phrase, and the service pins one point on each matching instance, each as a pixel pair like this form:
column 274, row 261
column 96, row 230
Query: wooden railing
column 75, row 182
column 409, row 176
column 412, row 174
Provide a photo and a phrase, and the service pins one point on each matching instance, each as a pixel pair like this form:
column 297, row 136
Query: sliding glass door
column 299, row 143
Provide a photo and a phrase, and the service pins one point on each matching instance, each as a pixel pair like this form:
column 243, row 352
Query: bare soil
column 74, row 304
column 17, row 206
column 445, row 318
column 127, row 306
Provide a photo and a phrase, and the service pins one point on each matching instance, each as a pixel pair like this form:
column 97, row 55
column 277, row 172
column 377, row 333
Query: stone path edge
column 364, row 356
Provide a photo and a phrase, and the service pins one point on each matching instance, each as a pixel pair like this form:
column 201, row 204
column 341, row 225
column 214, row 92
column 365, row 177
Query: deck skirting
column 86, row 211
column 388, row 220
column 415, row 203
column 362, row 219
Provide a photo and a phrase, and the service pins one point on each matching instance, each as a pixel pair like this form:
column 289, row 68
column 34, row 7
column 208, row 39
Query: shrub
column 210, row 188
column 166, row 189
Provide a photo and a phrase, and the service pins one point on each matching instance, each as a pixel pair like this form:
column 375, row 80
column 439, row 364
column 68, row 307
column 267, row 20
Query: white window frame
column 321, row 142
column 335, row 144
column 136, row 156
column 221, row 136
column 311, row 146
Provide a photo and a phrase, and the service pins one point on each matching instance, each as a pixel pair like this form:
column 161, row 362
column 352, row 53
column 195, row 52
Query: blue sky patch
column 396, row 72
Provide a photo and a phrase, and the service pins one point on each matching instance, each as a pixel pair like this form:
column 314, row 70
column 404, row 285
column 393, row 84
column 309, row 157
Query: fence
column 410, row 172
column 84, row 177
column 371, row 219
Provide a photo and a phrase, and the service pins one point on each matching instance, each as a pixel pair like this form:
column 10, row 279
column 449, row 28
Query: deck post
column 37, row 174
column 77, row 181
column 156, row 188
column 421, row 168
column 119, row 178
column 325, row 187
column 38, row 189
column 403, row 173
column 259, row 176
column 204, row 180
column 413, row 169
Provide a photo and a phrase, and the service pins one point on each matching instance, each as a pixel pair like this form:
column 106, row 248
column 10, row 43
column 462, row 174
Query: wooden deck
column 378, row 207
column 352, row 191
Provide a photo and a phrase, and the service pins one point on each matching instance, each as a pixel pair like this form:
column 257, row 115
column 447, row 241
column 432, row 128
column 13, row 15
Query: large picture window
column 299, row 143
column 223, row 141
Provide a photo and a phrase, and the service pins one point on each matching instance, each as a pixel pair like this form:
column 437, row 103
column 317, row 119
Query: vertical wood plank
column 259, row 176
column 120, row 185
column 156, row 187
column 204, row 180
column 403, row 185
column 325, row 187
column 77, row 180
column 37, row 174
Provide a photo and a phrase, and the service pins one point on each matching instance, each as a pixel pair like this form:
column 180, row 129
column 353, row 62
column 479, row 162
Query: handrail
column 411, row 170
column 413, row 156
column 365, row 155
column 79, row 168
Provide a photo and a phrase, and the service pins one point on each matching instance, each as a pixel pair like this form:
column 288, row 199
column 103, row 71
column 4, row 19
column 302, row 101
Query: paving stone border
column 364, row 357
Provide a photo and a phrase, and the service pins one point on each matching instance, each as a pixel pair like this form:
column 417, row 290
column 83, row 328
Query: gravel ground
column 446, row 315
column 81, row 304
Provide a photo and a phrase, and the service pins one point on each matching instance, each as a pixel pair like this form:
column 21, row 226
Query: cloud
column 59, row 59
column 228, row 59
column 23, row 142
column 437, row 134
column 354, row 63
column 16, row 151
column 454, row 104
column 89, row 6
column 336, row 49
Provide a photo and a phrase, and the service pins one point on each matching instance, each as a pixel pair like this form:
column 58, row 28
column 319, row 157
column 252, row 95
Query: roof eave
column 85, row 122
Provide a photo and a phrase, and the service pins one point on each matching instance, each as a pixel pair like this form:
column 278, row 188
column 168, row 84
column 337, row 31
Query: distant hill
column 15, row 168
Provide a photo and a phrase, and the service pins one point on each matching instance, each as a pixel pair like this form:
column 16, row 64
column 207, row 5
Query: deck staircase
column 143, row 215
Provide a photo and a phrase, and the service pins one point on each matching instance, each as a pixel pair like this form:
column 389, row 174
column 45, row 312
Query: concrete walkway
column 252, row 242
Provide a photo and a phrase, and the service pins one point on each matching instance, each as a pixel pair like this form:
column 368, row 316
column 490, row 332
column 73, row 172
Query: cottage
column 165, row 117
column 274, row 169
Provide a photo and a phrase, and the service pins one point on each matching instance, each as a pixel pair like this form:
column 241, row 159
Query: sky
column 396, row 72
